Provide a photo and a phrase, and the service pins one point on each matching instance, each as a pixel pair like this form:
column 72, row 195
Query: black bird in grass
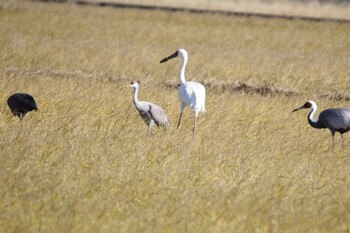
column 21, row 103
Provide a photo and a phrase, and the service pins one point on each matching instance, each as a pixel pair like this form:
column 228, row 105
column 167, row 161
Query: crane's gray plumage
column 335, row 119
column 21, row 103
column 149, row 112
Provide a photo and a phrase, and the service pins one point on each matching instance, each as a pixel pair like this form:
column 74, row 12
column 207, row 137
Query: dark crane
column 21, row 103
column 335, row 119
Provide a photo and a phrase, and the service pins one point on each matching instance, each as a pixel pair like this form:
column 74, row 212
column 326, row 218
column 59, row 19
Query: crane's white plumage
column 191, row 94
column 335, row 119
column 149, row 112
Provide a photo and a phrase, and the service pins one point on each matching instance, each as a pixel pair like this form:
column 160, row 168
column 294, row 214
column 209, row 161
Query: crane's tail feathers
column 167, row 125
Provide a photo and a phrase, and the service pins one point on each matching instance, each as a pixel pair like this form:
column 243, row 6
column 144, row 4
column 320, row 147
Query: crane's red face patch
column 132, row 82
column 307, row 105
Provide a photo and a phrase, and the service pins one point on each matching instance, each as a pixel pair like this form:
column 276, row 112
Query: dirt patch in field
column 339, row 96
column 243, row 87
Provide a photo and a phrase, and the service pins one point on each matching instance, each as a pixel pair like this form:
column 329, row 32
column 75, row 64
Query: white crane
column 335, row 119
column 149, row 112
column 190, row 93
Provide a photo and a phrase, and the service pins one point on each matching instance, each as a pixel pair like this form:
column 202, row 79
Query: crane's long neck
column 182, row 69
column 312, row 122
column 136, row 92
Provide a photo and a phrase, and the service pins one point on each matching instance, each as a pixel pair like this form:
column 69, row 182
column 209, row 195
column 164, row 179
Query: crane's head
column 179, row 53
column 308, row 104
column 134, row 84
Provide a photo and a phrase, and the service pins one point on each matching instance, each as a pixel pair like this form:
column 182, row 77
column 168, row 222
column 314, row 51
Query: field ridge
column 247, row 87
column 199, row 11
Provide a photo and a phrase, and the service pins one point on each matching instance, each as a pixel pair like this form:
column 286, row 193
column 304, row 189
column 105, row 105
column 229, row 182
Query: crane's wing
column 149, row 111
column 158, row 114
column 336, row 118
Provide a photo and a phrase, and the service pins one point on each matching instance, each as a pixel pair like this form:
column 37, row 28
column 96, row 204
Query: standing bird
column 21, row 103
column 335, row 119
column 190, row 93
column 149, row 112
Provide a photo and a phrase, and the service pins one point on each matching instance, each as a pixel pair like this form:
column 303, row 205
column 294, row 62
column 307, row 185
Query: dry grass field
column 85, row 163
column 310, row 8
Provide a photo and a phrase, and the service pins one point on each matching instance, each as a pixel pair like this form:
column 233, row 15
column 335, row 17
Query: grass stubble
column 85, row 163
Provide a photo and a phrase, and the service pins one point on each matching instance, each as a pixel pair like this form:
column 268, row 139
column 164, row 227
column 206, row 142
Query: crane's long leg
column 179, row 122
column 182, row 107
column 151, row 123
column 21, row 115
column 195, row 123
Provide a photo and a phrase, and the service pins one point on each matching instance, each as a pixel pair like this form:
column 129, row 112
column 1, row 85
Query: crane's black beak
column 170, row 57
column 297, row 109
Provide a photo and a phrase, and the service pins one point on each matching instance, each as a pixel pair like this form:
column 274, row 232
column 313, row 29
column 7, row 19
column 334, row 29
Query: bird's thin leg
column 194, row 126
column 195, row 123
column 179, row 122
column 21, row 115
column 333, row 136
column 151, row 123
column 182, row 107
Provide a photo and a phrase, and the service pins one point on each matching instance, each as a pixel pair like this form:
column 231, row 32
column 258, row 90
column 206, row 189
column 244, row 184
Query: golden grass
column 85, row 163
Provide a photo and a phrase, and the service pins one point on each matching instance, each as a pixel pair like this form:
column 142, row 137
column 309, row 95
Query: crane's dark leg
column 179, row 122
column 333, row 132
column 21, row 115
column 195, row 123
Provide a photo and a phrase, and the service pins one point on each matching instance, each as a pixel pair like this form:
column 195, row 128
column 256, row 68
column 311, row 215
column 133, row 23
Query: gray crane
column 335, row 119
column 21, row 103
column 149, row 112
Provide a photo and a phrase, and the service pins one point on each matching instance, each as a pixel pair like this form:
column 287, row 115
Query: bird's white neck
column 182, row 68
column 136, row 91
column 312, row 122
